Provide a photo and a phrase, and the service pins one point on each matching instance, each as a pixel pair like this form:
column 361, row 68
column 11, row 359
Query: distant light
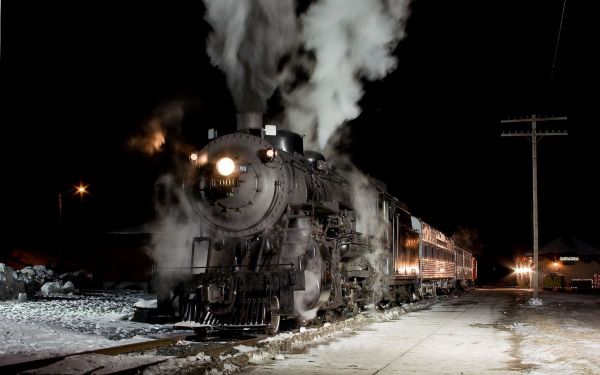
column 225, row 166
column 81, row 189
column 522, row 270
column 555, row 264
column 194, row 157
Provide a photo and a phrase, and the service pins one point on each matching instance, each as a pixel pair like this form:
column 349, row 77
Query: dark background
column 79, row 80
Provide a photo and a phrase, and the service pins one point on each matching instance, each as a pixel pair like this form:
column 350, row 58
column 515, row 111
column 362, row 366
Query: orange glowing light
column 81, row 189
column 203, row 159
column 199, row 159
column 157, row 140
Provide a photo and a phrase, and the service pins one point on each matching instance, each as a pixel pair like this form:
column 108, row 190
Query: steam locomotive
column 282, row 234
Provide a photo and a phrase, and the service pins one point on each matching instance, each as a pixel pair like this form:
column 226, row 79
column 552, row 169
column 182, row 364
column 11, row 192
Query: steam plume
column 369, row 221
column 175, row 226
column 247, row 43
column 351, row 40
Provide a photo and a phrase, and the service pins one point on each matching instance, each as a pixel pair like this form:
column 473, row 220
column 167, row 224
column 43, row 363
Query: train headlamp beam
column 225, row 166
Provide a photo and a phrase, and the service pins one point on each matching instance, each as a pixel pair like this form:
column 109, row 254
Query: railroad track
column 212, row 348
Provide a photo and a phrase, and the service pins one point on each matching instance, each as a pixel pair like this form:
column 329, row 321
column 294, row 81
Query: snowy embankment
column 54, row 318
column 46, row 327
column 35, row 280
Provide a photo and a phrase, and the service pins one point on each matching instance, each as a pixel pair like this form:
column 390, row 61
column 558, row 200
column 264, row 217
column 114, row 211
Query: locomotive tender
column 283, row 235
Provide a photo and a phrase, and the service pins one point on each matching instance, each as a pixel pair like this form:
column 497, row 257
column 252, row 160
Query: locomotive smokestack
column 249, row 120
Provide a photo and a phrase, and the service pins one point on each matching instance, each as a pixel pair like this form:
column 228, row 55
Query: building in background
column 565, row 263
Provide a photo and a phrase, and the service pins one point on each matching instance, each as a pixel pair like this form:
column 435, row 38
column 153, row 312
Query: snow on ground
column 485, row 331
column 52, row 318
column 560, row 336
column 40, row 328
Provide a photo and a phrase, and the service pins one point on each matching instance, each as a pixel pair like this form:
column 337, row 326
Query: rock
column 9, row 286
column 50, row 288
column 68, row 287
column 81, row 279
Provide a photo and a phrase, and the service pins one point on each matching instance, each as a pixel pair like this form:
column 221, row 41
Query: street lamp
column 80, row 190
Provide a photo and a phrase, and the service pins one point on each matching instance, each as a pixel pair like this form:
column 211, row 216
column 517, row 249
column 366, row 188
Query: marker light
column 268, row 155
column 225, row 166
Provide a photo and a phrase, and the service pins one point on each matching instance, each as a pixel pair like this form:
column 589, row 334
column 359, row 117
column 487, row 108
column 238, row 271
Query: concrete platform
column 477, row 333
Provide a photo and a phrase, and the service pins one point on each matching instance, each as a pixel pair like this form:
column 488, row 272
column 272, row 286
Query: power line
column 562, row 16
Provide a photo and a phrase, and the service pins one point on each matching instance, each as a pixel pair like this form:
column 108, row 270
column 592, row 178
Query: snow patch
column 535, row 302
column 41, row 327
column 146, row 304
column 244, row 348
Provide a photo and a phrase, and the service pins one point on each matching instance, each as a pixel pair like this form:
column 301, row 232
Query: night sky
column 78, row 81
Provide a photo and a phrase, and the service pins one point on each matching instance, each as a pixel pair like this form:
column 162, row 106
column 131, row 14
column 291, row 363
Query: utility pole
column 534, row 136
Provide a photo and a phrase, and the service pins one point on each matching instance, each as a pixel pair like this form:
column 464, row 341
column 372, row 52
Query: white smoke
column 351, row 40
column 248, row 41
column 369, row 221
column 303, row 299
column 175, row 226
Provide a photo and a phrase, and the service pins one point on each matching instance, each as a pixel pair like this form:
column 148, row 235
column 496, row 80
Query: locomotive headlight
column 225, row 166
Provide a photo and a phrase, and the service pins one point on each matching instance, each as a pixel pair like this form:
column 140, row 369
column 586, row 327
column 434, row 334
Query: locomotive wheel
column 273, row 327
